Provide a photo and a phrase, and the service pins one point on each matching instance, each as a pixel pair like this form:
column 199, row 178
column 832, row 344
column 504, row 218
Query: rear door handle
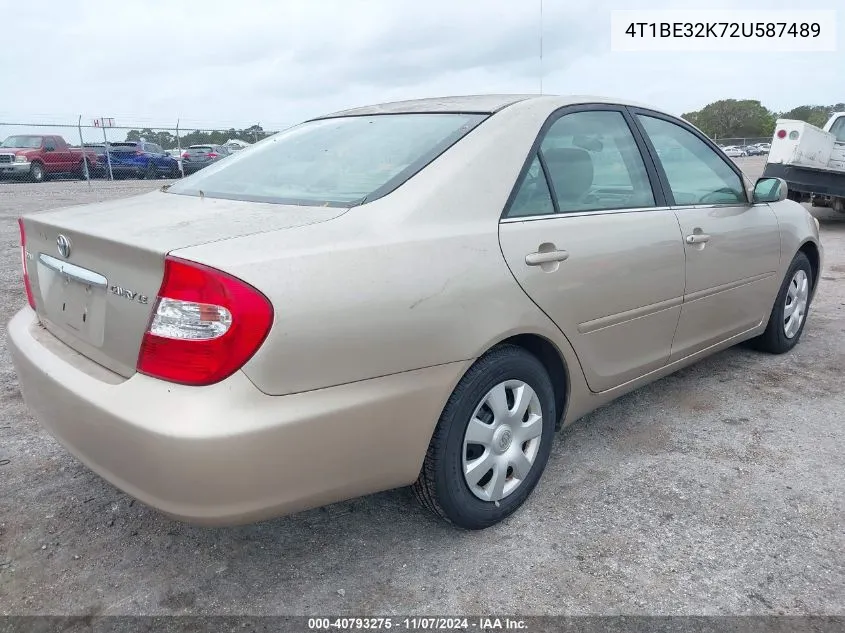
column 547, row 257
column 698, row 238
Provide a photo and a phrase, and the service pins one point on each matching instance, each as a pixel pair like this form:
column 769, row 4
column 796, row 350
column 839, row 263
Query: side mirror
column 770, row 190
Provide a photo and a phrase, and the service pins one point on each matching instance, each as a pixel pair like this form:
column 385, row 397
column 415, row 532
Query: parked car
column 141, row 159
column 101, row 166
column 417, row 293
column 732, row 151
column 752, row 150
column 198, row 156
column 764, row 147
column 37, row 157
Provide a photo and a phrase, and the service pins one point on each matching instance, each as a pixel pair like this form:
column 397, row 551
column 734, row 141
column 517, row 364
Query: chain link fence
column 102, row 149
column 742, row 141
column 99, row 149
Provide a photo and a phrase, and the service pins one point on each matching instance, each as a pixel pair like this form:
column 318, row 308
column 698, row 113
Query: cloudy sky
column 236, row 62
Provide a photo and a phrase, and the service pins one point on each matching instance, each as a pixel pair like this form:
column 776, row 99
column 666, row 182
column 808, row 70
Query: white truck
column 810, row 160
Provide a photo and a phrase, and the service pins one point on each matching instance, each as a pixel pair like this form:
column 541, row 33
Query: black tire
column 774, row 339
column 82, row 170
column 441, row 486
column 150, row 173
column 37, row 173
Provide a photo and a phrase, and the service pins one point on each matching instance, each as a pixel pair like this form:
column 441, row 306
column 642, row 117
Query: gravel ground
column 718, row 490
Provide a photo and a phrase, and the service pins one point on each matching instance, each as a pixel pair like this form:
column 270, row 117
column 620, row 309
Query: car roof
column 480, row 104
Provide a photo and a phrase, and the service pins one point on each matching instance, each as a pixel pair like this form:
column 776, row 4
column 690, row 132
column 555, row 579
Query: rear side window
column 533, row 196
column 697, row 174
column 334, row 162
column 593, row 163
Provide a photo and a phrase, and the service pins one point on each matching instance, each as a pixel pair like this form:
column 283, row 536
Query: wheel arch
column 553, row 361
column 811, row 250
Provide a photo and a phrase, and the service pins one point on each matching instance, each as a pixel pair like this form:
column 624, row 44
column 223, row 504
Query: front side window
column 594, row 163
column 339, row 162
column 695, row 171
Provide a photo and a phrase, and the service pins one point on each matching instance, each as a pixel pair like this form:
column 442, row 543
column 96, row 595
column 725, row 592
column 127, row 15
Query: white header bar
column 723, row 30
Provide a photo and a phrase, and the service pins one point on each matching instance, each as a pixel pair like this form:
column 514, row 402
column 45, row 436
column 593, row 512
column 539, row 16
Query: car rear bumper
column 191, row 168
column 227, row 453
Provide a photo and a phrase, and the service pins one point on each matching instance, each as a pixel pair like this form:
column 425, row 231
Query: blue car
column 141, row 159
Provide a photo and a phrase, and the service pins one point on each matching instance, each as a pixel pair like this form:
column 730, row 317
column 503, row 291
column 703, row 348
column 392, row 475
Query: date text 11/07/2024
column 417, row 624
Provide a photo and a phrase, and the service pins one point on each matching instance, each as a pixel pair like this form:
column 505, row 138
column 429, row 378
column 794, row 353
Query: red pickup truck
column 39, row 156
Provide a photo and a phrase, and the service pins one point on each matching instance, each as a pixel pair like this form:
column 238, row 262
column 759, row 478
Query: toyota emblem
column 63, row 244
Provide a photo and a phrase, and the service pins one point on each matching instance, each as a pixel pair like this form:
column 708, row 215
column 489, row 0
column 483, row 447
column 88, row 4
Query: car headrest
column 571, row 171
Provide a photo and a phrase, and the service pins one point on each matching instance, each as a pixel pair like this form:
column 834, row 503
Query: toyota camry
column 416, row 293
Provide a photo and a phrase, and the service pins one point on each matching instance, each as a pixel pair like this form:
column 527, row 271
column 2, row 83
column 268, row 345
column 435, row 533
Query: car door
column 51, row 155
column 588, row 236
column 732, row 246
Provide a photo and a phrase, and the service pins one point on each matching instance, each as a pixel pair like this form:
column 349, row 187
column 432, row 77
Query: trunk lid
column 97, row 295
column 198, row 154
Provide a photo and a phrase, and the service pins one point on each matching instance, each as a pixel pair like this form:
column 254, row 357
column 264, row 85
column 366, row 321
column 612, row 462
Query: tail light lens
column 206, row 325
column 184, row 154
column 781, row 133
column 212, row 155
column 26, row 283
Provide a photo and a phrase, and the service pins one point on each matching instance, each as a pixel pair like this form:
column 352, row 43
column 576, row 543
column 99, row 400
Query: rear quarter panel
column 412, row 280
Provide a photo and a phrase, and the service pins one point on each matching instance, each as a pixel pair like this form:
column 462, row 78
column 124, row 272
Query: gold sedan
column 416, row 293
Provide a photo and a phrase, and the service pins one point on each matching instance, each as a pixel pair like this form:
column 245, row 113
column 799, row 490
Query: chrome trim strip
column 701, row 294
column 622, row 317
column 73, row 271
column 578, row 214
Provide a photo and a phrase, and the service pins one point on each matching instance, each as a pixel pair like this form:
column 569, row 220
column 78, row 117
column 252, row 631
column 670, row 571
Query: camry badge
column 63, row 244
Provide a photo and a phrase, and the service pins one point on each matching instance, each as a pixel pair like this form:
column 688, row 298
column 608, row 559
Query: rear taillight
column 184, row 154
column 781, row 134
column 212, row 155
column 139, row 152
column 206, row 325
column 26, row 283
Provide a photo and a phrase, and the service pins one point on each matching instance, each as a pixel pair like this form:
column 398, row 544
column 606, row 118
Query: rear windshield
column 838, row 129
column 123, row 147
column 332, row 162
column 199, row 148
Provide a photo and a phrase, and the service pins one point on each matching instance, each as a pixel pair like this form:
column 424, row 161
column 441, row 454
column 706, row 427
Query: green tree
column 730, row 118
column 813, row 114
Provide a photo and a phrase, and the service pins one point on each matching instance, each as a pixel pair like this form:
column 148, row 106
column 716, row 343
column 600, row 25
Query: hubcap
column 502, row 440
column 796, row 303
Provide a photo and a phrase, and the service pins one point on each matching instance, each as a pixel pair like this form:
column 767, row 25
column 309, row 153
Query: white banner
column 723, row 31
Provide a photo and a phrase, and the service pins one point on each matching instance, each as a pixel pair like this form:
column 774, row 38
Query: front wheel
column 789, row 314
column 37, row 173
column 492, row 441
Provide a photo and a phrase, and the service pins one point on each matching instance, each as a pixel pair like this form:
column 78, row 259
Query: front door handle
column 698, row 238
column 546, row 257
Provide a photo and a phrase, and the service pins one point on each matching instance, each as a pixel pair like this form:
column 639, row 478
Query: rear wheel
column 37, row 173
column 150, row 172
column 789, row 314
column 492, row 441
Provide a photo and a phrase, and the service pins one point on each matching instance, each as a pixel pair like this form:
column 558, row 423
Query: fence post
column 179, row 149
column 108, row 152
column 82, row 149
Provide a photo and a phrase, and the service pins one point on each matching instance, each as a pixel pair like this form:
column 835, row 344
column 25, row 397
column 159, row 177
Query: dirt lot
column 717, row 490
